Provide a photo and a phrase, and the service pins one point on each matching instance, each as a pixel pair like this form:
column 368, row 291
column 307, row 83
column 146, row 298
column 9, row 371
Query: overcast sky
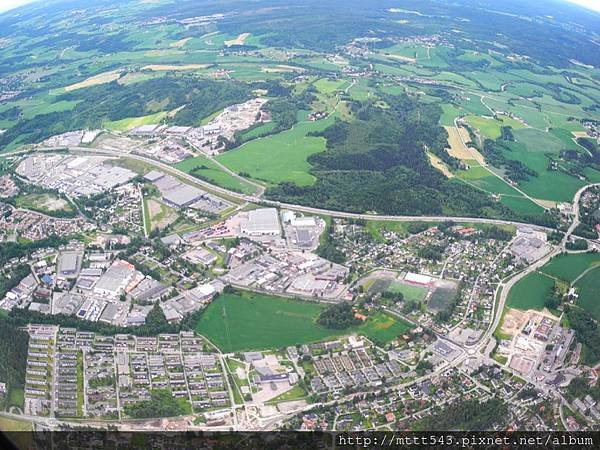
column 5, row 5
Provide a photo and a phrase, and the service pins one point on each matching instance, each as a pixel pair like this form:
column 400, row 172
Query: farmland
column 255, row 321
column 588, row 288
column 280, row 157
column 206, row 169
column 568, row 267
column 249, row 321
column 530, row 292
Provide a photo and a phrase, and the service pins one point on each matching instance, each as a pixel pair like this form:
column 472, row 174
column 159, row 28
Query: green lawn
column 282, row 156
column 249, row 321
column 414, row 293
column 530, row 292
column 588, row 288
column 207, row 170
column 569, row 266
column 382, row 328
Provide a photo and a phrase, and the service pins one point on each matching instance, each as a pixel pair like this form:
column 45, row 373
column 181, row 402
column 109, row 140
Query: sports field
column 569, row 267
column 441, row 298
column 588, row 288
column 414, row 293
column 530, row 292
column 280, row 157
column 250, row 321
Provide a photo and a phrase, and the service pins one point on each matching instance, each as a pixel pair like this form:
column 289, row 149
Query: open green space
column 521, row 205
column 491, row 128
column 441, row 299
column 253, row 321
column 133, row 122
column 207, row 170
column 250, row 321
column 282, row 156
column 569, row 266
column 588, row 288
column 539, row 141
column 530, row 292
column 45, row 203
column 410, row 292
column 382, row 328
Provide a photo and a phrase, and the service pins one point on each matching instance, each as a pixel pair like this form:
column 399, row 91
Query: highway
column 293, row 207
column 467, row 351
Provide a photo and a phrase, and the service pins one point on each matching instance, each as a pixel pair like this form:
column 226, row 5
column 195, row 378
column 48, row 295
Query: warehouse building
column 262, row 222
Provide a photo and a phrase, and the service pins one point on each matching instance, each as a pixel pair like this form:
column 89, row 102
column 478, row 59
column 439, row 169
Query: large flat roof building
column 183, row 196
column 69, row 264
column 262, row 222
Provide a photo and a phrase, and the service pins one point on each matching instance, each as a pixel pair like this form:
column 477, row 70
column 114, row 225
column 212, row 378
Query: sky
column 5, row 5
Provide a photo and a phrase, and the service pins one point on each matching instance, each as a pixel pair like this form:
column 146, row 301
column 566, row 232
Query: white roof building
column 261, row 222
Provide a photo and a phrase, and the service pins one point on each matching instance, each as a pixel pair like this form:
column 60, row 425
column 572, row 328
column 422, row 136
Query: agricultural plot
column 570, row 266
column 491, row 128
column 538, row 141
column 206, row 169
column 530, row 292
column 101, row 78
column 588, row 288
column 457, row 140
column 133, row 122
column 251, row 321
column 254, row 321
column 280, row 157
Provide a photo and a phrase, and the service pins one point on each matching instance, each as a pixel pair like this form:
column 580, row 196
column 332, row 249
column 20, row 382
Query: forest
column 338, row 316
column 378, row 163
column 13, row 354
column 113, row 101
column 467, row 415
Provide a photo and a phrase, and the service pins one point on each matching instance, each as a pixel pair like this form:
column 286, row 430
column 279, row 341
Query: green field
column 521, row 205
column 133, row 122
column 530, row 292
column 539, row 141
column 45, row 203
column 569, row 266
column 490, row 128
column 588, row 288
column 412, row 293
column 249, row 321
column 207, row 170
column 253, row 321
column 280, row 157
column 382, row 328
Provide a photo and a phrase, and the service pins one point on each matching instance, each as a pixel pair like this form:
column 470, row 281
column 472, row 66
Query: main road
column 259, row 200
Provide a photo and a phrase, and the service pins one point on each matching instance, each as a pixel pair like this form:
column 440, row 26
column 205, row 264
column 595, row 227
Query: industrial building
column 69, row 264
column 261, row 222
